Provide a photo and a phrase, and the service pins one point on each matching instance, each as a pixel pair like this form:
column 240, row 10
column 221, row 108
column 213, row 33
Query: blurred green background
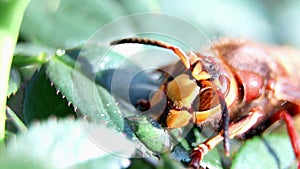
column 69, row 23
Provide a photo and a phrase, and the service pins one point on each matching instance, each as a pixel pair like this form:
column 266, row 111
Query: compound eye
column 207, row 98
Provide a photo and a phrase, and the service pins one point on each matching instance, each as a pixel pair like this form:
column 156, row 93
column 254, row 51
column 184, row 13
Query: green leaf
column 102, row 58
column 14, row 81
column 18, row 123
column 90, row 99
column 140, row 163
column 30, row 57
column 42, row 100
column 154, row 138
column 168, row 162
column 72, row 144
column 123, row 78
column 269, row 151
column 30, row 54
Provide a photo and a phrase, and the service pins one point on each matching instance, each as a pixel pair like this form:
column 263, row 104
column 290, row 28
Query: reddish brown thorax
column 253, row 84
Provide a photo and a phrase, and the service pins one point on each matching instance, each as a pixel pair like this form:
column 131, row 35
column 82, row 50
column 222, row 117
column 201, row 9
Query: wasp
column 245, row 85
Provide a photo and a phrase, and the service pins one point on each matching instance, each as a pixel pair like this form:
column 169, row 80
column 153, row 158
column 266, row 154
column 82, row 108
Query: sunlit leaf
column 90, row 99
column 269, row 151
column 155, row 138
column 72, row 144
column 29, row 57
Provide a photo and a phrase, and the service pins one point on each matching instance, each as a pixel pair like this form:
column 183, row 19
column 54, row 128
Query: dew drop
column 125, row 163
column 60, row 52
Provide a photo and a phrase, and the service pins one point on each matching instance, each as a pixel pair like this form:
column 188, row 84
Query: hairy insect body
column 257, row 73
column 244, row 86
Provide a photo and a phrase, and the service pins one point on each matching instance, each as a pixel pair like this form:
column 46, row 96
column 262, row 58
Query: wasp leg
column 235, row 129
column 294, row 137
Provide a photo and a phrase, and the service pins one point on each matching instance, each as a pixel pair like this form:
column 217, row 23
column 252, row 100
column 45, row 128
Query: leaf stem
column 12, row 12
column 16, row 120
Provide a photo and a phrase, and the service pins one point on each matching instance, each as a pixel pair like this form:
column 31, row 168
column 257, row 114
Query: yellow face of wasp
column 186, row 100
column 182, row 91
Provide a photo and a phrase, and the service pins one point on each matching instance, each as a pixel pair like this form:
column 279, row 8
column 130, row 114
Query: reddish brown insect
column 257, row 84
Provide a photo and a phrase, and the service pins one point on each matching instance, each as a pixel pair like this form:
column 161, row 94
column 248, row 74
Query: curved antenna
column 183, row 57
